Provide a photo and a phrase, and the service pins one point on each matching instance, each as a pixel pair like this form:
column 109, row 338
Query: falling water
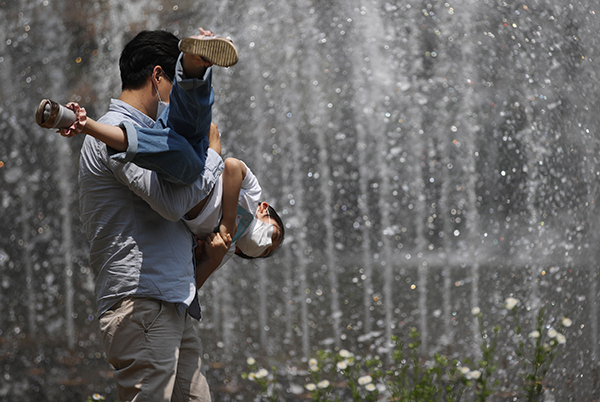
column 427, row 158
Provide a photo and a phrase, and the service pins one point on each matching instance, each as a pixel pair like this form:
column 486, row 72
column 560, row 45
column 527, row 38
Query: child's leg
column 190, row 108
column 176, row 147
column 161, row 150
column 167, row 149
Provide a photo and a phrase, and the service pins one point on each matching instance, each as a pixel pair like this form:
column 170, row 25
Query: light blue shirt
column 139, row 246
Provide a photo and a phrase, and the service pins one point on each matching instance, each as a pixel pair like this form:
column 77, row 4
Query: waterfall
column 413, row 151
column 67, row 246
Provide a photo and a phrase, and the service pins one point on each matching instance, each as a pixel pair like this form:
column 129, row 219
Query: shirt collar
column 125, row 109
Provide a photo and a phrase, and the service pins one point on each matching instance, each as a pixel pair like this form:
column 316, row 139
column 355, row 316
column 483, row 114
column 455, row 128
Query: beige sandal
column 219, row 51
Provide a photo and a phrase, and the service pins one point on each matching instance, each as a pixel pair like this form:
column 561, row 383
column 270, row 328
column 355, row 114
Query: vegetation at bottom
column 403, row 375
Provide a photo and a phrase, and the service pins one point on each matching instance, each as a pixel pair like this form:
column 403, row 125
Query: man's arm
column 210, row 255
column 171, row 201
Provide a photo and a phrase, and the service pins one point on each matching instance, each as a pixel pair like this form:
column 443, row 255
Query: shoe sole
column 219, row 51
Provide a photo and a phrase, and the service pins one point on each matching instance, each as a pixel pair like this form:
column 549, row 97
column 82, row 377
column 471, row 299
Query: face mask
column 161, row 105
column 258, row 239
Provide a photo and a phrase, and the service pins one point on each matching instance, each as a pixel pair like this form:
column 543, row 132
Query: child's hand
column 227, row 229
column 81, row 119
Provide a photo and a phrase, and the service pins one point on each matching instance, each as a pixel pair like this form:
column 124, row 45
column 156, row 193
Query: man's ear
column 157, row 72
column 157, row 75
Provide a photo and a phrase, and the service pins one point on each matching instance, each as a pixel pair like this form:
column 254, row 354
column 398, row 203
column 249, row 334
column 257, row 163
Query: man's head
column 143, row 53
column 267, row 222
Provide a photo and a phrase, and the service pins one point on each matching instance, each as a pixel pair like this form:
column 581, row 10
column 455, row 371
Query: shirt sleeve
column 171, row 201
column 250, row 192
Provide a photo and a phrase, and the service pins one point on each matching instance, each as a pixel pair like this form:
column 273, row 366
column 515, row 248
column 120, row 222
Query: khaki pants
column 156, row 352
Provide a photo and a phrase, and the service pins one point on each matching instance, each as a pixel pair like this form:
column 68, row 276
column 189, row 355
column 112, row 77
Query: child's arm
column 214, row 142
column 233, row 175
column 112, row 136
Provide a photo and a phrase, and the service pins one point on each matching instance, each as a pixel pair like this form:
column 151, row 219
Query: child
column 177, row 145
column 175, row 148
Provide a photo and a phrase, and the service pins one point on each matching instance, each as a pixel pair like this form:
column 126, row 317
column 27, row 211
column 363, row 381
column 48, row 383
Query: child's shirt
column 210, row 216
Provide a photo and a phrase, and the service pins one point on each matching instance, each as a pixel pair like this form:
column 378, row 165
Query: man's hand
column 199, row 251
column 215, row 248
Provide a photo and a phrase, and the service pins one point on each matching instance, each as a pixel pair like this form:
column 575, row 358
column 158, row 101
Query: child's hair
column 275, row 216
column 145, row 51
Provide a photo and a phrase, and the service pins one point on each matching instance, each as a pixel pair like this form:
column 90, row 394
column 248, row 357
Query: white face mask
column 257, row 240
column 161, row 105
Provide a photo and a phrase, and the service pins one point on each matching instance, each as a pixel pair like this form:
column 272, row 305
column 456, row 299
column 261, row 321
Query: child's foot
column 52, row 115
column 219, row 51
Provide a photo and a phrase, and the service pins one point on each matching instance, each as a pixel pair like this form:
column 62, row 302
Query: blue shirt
column 139, row 246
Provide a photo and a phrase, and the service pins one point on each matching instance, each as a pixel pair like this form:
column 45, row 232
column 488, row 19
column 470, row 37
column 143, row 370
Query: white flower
column 97, row 397
column 370, row 387
column 323, row 384
column 552, row 332
column 475, row 310
column 534, row 334
column 313, row 362
column 367, row 379
column 560, row 338
column 252, row 376
column 251, row 361
column 511, row 302
column 342, row 365
column 464, row 370
column 475, row 374
column 261, row 373
column 566, row 322
column 310, row 387
column 345, row 354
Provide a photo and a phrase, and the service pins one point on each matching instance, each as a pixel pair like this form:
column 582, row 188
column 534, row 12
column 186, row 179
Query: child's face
column 262, row 214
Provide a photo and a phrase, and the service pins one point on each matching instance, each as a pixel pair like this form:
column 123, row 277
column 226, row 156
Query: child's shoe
column 219, row 51
column 52, row 115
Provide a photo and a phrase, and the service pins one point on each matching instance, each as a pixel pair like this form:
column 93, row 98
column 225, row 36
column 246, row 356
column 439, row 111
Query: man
column 140, row 250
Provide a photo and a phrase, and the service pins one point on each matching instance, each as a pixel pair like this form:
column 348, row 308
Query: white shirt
column 210, row 216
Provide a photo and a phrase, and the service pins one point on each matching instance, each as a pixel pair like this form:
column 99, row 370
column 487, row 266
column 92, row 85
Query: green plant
column 538, row 351
column 359, row 376
column 340, row 375
column 481, row 378
column 265, row 380
column 412, row 379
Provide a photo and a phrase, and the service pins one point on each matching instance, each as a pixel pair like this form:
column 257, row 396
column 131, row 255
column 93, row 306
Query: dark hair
column 275, row 216
column 144, row 52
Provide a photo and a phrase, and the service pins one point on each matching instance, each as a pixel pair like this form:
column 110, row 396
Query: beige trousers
column 155, row 351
